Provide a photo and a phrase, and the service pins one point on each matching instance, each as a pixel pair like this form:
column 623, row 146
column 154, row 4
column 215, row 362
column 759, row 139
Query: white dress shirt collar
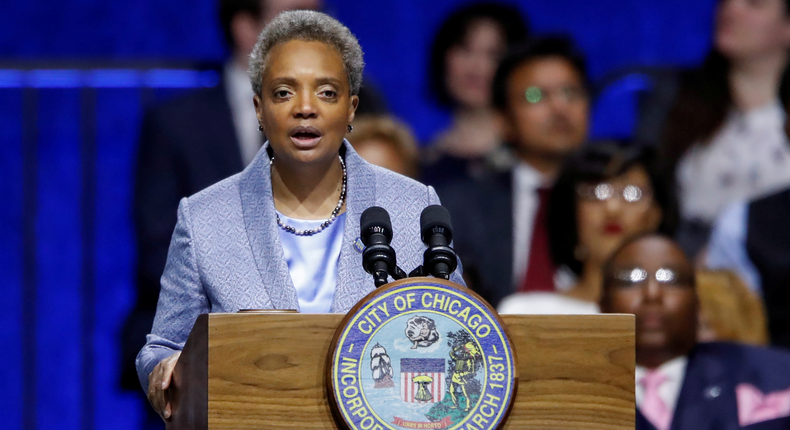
column 239, row 93
column 526, row 181
column 675, row 372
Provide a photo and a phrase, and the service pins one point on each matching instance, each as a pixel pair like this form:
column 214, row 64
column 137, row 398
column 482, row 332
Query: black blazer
column 707, row 398
column 482, row 217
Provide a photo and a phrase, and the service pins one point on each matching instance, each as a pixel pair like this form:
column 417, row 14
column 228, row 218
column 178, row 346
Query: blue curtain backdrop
column 68, row 139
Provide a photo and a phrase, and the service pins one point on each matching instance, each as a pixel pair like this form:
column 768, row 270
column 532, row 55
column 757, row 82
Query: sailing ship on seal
column 381, row 366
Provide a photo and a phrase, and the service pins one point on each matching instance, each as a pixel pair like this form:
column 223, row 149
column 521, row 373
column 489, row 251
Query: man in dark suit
column 540, row 92
column 680, row 384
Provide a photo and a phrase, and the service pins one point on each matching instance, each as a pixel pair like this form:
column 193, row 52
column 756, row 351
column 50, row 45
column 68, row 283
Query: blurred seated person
column 605, row 193
column 751, row 237
column 724, row 129
column 281, row 234
column 386, row 142
column 191, row 142
column 729, row 311
column 682, row 384
column 540, row 91
column 464, row 57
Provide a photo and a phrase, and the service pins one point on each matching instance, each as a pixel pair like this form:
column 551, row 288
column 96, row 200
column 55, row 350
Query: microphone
column 436, row 232
column 378, row 258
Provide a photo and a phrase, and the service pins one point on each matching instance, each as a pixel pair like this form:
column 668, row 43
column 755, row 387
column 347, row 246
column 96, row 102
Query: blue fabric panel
column 117, row 125
column 11, row 178
column 90, row 29
column 59, row 260
column 396, row 36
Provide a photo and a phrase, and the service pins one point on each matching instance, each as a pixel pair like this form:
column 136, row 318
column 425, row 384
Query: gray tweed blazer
column 226, row 255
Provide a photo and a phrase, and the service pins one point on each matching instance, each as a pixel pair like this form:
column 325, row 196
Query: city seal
column 421, row 353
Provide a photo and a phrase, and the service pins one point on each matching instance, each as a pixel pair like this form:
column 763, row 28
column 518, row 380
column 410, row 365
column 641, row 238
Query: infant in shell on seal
column 421, row 331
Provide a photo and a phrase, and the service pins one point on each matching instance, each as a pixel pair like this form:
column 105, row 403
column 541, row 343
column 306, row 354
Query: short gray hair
column 308, row 26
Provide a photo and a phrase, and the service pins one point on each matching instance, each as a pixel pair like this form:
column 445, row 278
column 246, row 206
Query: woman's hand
column 159, row 382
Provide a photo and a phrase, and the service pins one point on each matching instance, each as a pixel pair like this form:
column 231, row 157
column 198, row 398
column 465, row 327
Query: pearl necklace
column 332, row 217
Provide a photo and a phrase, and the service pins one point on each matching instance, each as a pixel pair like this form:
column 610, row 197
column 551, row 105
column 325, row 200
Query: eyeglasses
column 604, row 191
column 566, row 93
column 637, row 275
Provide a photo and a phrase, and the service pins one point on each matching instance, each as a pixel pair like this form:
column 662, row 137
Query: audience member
column 604, row 194
column 190, row 143
column 386, row 142
column 753, row 239
column 464, row 57
column 729, row 311
column 281, row 234
column 682, row 384
column 500, row 219
column 723, row 132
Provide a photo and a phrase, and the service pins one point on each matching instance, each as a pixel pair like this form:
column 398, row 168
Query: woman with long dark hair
column 724, row 133
column 464, row 57
column 605, row 194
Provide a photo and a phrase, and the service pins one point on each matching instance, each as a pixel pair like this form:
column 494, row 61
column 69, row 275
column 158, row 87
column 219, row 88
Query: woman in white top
column 604, row 194
column 724, row 132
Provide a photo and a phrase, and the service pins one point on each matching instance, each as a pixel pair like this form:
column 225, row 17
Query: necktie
column 653, row 408
column 540, row 267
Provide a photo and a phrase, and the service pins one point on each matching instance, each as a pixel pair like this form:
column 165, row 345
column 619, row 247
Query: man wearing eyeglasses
column 540, row 92
column 682, row 384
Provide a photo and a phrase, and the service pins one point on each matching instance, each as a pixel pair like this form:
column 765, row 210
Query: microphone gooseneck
column 436, row 230
column 378, row 258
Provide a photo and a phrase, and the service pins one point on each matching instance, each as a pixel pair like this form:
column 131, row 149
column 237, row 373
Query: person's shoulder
column 779, row 196
column 389, row 182
column 187, row 106
column 488, row 185
column 758, row 358
column 220, row 197
column 544, row 303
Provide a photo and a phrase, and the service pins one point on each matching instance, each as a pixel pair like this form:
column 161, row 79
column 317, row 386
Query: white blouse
column 748, row 157
column 312, row 261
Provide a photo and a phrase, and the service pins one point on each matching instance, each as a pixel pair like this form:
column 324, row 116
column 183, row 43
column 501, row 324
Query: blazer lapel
column 707, row 398
column 642, row 423
column 353, row 283
column 257, row 205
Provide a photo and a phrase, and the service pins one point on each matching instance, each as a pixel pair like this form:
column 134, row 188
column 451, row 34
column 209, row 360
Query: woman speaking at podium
column 284, row 233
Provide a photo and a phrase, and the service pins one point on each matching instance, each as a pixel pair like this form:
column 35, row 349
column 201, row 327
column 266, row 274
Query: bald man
column 682, row 384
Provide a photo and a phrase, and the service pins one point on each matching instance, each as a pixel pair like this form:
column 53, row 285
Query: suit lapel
column 642, row 423
column 257, row 205
column 351, row 276
column 707, row 397
column 498, row 201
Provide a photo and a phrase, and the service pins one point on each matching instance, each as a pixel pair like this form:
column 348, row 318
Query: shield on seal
column 422, row 380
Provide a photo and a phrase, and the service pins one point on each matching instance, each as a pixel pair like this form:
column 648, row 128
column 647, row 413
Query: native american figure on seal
column 421, row 331
column 466, row 359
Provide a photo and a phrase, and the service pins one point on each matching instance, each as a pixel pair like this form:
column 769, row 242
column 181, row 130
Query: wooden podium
column 254, row 371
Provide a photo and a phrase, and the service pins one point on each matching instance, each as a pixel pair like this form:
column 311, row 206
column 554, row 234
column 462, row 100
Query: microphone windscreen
column 375, row 220
column 435, row 219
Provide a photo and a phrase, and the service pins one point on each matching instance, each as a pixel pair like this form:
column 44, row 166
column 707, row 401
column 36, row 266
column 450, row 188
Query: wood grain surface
column 267, row 371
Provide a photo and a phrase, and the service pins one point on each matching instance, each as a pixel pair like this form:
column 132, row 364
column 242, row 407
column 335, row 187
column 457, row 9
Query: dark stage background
column 74, row 78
